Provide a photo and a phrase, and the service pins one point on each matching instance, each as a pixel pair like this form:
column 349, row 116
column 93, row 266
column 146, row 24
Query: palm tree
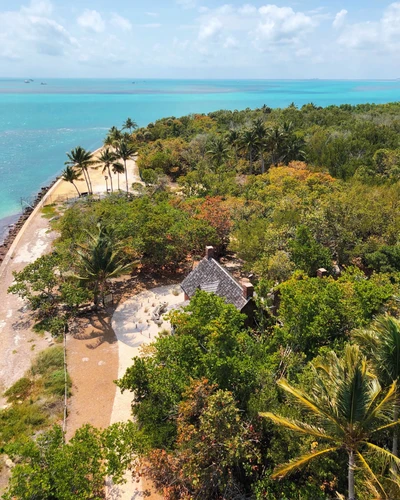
column 218, row 151
column 81, row 160
column 99, row 260
column 348, row 407
column 107, row 158
column 233, row 138
column 260, row 133
column 114, row 135
column 118, row 168
column 275, row 140
column 293, row 149
column 126, row 152
column 69, row 174
column 381, row 342
column 130, row 124
column 248, row 142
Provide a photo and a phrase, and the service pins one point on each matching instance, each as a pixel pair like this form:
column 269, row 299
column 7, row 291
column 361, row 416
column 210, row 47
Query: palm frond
column 370, row 472
column 382, row 452
column 306, row 401
column 285, row 469
column 300, row 427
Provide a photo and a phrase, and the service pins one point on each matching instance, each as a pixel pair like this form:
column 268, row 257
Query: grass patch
column 36, row 400
column 49, row 211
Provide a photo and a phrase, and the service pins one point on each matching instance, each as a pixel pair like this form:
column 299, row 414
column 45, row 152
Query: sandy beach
column 93, row 396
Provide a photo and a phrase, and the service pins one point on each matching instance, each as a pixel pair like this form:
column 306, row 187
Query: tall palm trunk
column 351, row 475
column 118, row 181
column 251, row 160
column 110, row 176
column 77, row 190
column 86, row 179
column 126, row 176
column 262, row 161
column 89, row 181
column 395, row 446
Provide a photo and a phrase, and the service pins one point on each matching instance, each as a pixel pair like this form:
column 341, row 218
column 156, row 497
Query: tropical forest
column 300, row 403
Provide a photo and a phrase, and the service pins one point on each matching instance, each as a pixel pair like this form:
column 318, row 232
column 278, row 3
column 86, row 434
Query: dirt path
column 134, row 327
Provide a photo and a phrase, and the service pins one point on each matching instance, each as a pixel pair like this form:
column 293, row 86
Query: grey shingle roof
column 210, row 276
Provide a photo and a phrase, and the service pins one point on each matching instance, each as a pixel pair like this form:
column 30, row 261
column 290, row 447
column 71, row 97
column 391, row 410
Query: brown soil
column 92, row 366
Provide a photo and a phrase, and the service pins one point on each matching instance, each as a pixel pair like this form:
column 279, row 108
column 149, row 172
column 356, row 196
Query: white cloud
column 187, row 4
column 281, row 25
column 247, row 10
column 121, row 22
column 377, row 36
column 38, row 8
column 31, row 31
column 230, row 43
column 210, row 28
column 92, row 21
column 340, row 19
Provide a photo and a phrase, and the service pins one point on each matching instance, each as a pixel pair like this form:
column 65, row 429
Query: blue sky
column 200, row 39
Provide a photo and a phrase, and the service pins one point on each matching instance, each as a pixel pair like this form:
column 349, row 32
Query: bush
column 20, row 390
column 50, row 359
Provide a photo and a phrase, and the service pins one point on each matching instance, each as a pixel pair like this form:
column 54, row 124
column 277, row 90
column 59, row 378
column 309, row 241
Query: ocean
column 43, row 119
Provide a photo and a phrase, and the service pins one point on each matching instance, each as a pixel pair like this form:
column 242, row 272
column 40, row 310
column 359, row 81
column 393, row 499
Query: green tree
column 129, row 124
column 126, row 152
column 107, row 158
column 307, row 253
column 69, row 174
column 49, row 469
column 381, row 342
column 118, row 169
column 248, row 142
column 99, row 260
column 260, row 132
column 218, row 152
column 347, row 408
column 81, row 160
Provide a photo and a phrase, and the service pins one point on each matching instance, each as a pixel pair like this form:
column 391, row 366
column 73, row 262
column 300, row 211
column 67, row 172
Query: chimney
column 209, row 253
column 248, row 290
column 322, row 272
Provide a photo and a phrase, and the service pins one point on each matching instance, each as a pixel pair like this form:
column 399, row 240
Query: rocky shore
column 15, row 228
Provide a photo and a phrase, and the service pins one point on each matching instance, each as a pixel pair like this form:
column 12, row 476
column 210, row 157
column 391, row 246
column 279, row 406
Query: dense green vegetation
column 289, row 191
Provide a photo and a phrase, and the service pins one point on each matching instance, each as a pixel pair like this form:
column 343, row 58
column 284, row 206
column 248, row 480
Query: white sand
column 133, row 327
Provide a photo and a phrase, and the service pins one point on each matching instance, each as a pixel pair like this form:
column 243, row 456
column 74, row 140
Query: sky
column 200, row 39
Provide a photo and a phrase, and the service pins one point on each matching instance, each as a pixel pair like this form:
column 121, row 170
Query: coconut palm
column 248, row 142
column 69, row 174
column 99, row 260
column 381, row 342
column 275, row 141
column 218, row 151
column 129, row 124
column 81, row 160
column 260, row 132
column 114, row 135
column 233, row 139
column 347, row 407
column 126, row 152
column 118, row 168
column 107, row 158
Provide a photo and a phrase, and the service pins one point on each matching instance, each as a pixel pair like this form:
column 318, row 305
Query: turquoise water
column 40, row 123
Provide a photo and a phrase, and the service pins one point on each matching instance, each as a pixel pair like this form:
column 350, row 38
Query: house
column 210, row 276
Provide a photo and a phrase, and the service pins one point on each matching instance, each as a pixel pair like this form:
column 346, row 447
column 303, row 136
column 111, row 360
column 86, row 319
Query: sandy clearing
column 133, row 327
column 65, row 190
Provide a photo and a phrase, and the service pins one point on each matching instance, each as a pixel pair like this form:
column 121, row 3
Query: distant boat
column 27, row 81
column 43, row 83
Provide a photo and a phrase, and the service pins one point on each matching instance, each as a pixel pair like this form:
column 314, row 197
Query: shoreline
column 11, row 225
